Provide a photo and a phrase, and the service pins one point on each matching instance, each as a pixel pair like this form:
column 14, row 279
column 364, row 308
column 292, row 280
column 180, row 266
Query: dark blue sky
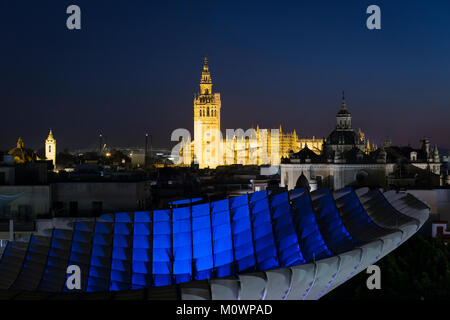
column 135, row 65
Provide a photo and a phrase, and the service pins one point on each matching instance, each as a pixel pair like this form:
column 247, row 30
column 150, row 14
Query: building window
column 207, row 112
column 49, row 148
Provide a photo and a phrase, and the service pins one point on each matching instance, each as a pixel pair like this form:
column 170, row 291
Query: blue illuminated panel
column 102, row 245
column 202, row 241
column 120, row 277
column 263, row 237
column 357, row 221
column 287, row 242
column 162, row 248
column 182, row 244
column 222, row 238
column 311, row 241
column 142, row 263
column 244, row 252
column 54, row 275
column 335, row 234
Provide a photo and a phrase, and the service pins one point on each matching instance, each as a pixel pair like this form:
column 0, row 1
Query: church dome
column 20, row 154
column 348, row 137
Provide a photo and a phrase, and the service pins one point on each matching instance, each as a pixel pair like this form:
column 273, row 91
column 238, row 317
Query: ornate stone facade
column 251, row 147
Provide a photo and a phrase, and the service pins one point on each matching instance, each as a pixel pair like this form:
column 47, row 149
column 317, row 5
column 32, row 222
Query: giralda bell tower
column 207, row 137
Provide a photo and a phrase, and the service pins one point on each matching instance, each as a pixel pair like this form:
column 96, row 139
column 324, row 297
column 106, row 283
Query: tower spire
column 343, row 105
column 206, row 82
column 343, row 117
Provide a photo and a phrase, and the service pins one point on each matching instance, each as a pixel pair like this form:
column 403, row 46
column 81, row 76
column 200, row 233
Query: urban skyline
column 125, row 73
column 225, row 150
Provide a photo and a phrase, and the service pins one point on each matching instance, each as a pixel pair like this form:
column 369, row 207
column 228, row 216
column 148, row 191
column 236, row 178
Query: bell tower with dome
column 343, row 138
column 343, row 117
column 207, row 137
column 50, row 148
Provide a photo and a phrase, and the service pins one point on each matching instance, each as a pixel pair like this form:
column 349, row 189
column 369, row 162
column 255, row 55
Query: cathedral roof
column 355, row 155
column 395, row 153
column 305, row 155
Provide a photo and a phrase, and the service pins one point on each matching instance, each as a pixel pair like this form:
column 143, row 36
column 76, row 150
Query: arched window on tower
column 207, row 112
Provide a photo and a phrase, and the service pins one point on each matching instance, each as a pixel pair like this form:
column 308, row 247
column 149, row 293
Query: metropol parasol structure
column 261, row 246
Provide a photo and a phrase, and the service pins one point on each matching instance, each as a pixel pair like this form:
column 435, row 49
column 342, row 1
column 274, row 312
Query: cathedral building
column 251, row 147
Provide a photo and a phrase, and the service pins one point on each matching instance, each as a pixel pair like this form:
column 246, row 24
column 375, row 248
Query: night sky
column 135, row 65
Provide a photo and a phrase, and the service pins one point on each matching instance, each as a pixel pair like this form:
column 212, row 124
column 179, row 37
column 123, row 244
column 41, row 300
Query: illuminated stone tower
column 50, row 148
column 207, row 137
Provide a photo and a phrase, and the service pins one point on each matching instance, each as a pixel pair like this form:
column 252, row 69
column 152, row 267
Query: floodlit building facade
column 50, row 149
column 211, row 148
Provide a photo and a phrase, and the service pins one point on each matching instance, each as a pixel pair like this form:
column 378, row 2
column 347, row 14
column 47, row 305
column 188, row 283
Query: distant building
column 344, row 138
column 50, row 149
column 21, row 154
column 346, row 160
